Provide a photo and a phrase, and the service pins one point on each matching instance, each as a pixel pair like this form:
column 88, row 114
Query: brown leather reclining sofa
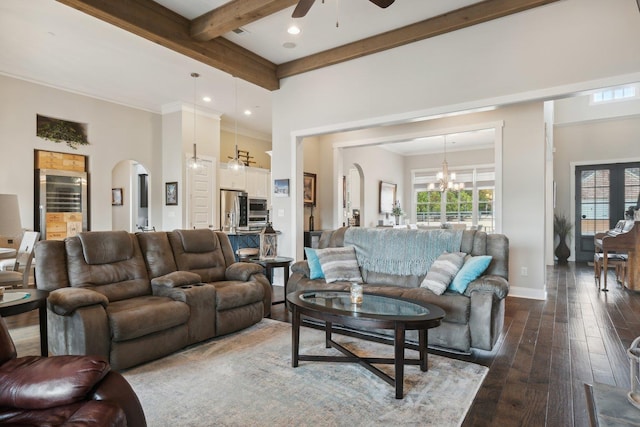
column 86, row 391
column 132, row 298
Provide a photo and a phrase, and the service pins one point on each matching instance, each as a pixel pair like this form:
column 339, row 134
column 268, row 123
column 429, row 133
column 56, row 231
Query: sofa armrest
column 175, row 279
column 489, row 283
column 242, row 271
column 65, row 301
column 301, row 267
column 25, row 379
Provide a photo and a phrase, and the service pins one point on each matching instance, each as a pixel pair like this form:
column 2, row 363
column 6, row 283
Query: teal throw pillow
column 470, row 271
column 315, row 270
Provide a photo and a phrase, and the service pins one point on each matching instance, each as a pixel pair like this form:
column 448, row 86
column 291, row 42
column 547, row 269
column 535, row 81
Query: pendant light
column 445, row 180
column 235, row 164
column 194, row 162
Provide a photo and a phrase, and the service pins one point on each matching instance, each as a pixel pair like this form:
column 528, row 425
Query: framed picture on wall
column 171, row 193
column 116, row 197
column 309, row 189
column 387, row 196
column 281, row 188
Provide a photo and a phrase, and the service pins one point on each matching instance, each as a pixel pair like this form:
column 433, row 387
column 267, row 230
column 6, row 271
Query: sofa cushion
column 106, row 247
column 198, row 241
column 471, row 270
column 116, row 280
column 315, row 269
column 137, row 317
column 232, row 294
column 189, row 252
column 339, row 264
column 442, row 272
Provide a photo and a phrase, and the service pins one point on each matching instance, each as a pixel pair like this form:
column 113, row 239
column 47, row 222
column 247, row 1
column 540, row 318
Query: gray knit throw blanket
column 400, row 251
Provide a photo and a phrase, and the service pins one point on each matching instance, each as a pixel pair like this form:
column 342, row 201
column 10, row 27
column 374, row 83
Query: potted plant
column 562, row 228
column 397, row 211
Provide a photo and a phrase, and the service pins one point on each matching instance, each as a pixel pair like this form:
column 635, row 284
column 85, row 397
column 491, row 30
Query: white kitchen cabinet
column 232, row 180
column 258, row 182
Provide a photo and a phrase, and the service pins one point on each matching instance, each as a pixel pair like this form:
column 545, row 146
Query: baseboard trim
column 520, row 292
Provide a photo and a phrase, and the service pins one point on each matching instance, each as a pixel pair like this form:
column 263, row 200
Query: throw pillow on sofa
column 442, row 272
column 339, row 264
column 470, row 271
column 315, row 270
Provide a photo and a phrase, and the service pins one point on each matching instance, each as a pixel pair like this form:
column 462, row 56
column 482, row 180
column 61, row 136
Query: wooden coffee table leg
column 399, row 359
column 327, row 334
column 295, row 337
column 422, row 348
column 44, row 339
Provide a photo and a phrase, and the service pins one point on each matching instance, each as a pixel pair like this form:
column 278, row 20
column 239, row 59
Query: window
column 428, row 207
column 472, row 205
column 614, row 94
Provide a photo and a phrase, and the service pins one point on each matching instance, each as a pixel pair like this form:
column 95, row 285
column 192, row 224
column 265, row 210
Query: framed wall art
column 281, row 188
column 387, row 196
column 309, row 189
column 116, row 197
column 171, row 193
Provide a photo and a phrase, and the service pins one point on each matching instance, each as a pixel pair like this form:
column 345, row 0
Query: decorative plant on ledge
column 57, row 130
column 397, row 211
column 562, row 228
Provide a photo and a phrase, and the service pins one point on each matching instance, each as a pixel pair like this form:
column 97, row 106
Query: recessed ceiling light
column 288, row 45
column 293, row 30
column 206, row 98
column 247, row 112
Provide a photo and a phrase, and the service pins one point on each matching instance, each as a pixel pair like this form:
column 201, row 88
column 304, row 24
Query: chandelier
column 236, row 164
column 446, row 180
column 194, row 162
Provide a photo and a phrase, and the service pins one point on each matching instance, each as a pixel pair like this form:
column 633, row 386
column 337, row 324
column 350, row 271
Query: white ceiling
column 52, row 44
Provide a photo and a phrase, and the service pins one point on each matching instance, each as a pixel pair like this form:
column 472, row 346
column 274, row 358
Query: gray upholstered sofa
column 474, row 319
column 132, row 298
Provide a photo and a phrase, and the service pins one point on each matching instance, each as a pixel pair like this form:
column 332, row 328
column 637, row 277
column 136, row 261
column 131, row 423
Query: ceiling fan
column 304, row 5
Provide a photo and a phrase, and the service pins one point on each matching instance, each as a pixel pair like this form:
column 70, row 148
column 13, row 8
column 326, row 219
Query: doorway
column 603, row 194
column 132, row 181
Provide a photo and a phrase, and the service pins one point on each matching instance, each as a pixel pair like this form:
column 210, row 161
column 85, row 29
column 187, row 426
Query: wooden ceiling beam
column 233, row 15
column 154, row 22
column 460, row 18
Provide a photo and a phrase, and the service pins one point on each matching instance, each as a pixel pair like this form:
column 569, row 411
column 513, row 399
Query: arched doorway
column 130, row 180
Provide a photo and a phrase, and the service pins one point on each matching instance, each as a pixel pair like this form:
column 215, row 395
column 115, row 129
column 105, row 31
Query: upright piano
column 624, row 238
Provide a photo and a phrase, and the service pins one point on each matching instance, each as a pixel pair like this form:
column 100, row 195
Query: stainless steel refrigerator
column 61, row 203
column 233, row 210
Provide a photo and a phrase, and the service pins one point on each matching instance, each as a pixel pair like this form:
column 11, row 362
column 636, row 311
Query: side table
column 270, row 264
column 18, row 301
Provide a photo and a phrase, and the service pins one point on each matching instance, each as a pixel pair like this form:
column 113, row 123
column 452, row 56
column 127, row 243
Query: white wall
column 508, row 59
column 115, row 133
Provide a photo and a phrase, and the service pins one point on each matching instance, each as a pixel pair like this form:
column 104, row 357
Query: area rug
column 246, row 379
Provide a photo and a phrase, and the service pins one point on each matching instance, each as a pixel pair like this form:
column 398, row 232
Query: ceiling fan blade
column 302, row 8
column 382, row 3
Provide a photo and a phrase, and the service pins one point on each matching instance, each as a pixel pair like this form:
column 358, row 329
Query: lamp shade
column 10, row 225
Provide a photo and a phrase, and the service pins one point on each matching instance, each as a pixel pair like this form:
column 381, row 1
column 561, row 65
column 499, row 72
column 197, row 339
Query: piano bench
column 619, row 261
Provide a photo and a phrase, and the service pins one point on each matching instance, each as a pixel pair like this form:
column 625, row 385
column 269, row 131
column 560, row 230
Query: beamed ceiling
column 202, row 38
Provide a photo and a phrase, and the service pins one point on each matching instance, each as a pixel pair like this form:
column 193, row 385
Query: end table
column 21, row 301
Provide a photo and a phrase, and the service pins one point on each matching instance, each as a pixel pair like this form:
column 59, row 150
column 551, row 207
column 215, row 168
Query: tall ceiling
column 141, row 53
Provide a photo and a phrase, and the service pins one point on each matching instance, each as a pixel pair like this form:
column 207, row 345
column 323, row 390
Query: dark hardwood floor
column 547, row 351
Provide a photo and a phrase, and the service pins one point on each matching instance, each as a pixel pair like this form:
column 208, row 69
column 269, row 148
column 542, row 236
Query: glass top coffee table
column 375, row 312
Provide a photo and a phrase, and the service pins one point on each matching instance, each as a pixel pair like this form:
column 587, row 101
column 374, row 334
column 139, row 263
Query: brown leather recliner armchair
column 63, row 390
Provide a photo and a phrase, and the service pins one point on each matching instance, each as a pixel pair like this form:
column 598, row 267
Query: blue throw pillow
column 314, row 264
column 470, row 271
